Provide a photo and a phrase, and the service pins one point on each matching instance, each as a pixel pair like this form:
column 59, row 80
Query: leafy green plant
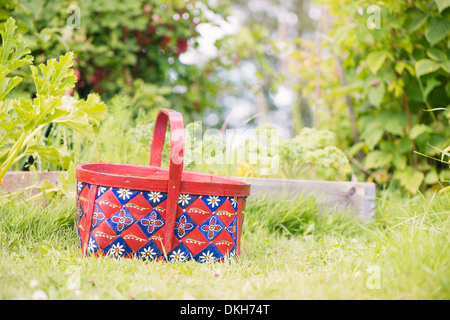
column 122, row 137
column 120, row 45
column 385, row 89
column 311, row 154
column 313, row 148
column 446, row 155
column 24, row 121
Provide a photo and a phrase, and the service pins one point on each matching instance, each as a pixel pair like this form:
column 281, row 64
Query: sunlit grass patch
column 288, row 251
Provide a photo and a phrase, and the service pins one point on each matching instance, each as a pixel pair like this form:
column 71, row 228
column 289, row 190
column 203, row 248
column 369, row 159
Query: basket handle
column 176, row 163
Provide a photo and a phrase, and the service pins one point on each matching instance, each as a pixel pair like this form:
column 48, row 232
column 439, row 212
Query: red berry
column 165, row 39
column 77, row 74
column 151, row 29
column 125, row 33
column 138, row 36
column 181, row 45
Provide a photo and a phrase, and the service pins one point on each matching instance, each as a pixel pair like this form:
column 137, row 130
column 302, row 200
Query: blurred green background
column 356, row 89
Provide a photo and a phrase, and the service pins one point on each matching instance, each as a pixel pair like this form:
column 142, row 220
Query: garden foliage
column 388, row 67
column 312, row 154
column 380, row 83
column 125, row 47
column 24, row 120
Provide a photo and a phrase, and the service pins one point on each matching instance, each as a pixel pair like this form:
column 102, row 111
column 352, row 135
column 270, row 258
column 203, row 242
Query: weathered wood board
column 358, row 197
column 14, row 180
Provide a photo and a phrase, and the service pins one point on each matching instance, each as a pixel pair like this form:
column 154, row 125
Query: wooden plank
column 14, row 180
column 358, row 197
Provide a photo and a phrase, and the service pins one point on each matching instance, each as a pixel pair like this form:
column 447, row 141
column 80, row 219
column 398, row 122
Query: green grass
column 288, row 252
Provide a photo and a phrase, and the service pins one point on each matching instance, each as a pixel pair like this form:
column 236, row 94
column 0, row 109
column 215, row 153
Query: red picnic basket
column 154, row 213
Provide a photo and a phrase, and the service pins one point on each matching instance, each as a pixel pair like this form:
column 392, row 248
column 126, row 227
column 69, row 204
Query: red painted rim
column 151, row 178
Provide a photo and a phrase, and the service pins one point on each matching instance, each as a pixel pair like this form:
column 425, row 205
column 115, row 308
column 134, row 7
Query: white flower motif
column 232, row 255
column 125, row 193
column 184, row 199
column 101, row 190
column 207, row 257
column 80, row 185
column 177, row 256
column 234, row 201
column 116, row 250
column 148, row 254
column 154, row 196
column 213, row 201
column 91, row 245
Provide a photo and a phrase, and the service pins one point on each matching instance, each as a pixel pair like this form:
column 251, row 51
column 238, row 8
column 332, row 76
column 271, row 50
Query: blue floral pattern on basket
column 131, row 223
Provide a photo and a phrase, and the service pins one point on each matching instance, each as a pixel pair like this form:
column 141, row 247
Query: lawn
column 288, row 251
